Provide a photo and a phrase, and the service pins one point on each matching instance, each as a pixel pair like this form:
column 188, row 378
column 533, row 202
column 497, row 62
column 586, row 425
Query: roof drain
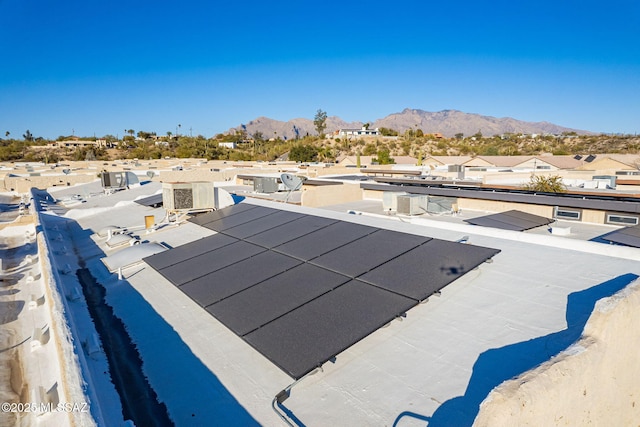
column 284, row 395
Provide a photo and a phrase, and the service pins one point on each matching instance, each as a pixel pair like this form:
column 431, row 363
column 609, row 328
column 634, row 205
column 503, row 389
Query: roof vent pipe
column 284, row 395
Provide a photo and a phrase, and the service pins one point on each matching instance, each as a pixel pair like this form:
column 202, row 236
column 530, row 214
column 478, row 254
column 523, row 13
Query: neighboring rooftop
column 448, row 349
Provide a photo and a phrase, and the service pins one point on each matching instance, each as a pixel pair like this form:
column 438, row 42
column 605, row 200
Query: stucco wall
column 499, row 206
column 595, row 382
column 193, row 176
column 25, row 184
column 596, row 217
column 326, row 195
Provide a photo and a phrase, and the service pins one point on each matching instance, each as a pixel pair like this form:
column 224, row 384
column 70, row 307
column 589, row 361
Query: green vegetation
column 545, row 184
column 387, row 132
column 304, row 153
column 320, row 121
column 384, row 158
column 260, row 147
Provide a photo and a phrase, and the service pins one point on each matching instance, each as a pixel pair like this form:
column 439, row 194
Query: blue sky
column 100, row 67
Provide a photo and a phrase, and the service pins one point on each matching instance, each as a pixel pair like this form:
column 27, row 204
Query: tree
column 7, row 133
column 459, row 135
column 325, row 154
column 384, row 158
column 546, row 184
column 258, row 136
column 320, row 121
column 27, row 136
column 388, row 132
column 303, row 153
column 144, row 135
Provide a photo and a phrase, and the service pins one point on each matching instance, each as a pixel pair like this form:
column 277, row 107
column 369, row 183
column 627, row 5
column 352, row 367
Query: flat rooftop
column 436, row 364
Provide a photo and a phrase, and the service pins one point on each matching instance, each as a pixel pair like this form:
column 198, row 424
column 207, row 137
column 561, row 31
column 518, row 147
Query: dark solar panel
column 485, row 221
column 325, row 240
column 368, row 252
column 221, row 213
column 239, row 218
column 511, row 220
column 189, row 250
column 262, row 224
column 234, row 278
column 526, row 219
column 155, row 200
column 208, row 262
column 428, row 268
column 315, row 332
column 292, row 230
column 297, row 302
column 629, row 236
column 259, row 305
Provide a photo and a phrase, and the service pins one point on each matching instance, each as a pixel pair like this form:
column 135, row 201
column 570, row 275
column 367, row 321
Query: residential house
column 359, row 132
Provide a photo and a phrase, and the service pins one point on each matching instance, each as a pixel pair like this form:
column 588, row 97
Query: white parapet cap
column 131, row 255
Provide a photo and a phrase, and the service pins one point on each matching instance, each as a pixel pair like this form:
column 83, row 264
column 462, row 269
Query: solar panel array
column 301, row 288
column 628, row 236
column 154, row 200
column 511, row 220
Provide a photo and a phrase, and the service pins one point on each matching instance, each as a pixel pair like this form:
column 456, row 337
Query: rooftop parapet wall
column 22, row 184
column 594, row 382
column 318, row 196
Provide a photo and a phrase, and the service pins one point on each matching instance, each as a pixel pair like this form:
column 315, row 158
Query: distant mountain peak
column 447, row 122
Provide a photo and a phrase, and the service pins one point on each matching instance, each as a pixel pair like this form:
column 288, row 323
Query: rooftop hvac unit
column 265, row 184
column 457, row 168
column 177, row 196
column 390, row 200
column 118, row 180
column 412, row 204
column 606, row 180
column 439, row 204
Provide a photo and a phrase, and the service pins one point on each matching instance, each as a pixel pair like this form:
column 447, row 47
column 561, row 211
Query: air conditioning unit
column 605, row 181
column 118, row 180
column 460, row 169
column 390, row 200
column 439, row 204
column 413, row 204
column 265, row 184
column 178, row 196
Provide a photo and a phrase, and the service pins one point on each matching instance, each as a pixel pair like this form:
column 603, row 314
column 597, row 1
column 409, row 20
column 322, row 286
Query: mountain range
column 446, row 122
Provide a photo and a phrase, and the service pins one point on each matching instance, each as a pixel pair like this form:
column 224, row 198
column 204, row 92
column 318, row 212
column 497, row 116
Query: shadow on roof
column 163, row 356
column 495, row 366
column 627, row 236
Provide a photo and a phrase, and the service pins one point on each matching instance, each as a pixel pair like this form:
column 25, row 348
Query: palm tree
column 7, row 133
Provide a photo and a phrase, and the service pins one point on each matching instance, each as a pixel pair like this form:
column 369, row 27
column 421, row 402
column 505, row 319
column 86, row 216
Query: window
column 622, row 219
column 573, row 215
